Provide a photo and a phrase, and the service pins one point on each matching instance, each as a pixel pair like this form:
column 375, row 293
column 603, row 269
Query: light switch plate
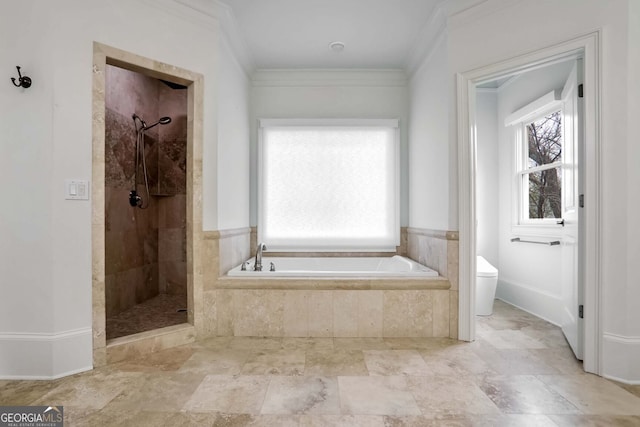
column 76, row 189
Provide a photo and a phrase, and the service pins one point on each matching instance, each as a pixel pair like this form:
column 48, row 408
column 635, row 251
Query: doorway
column 467, row 155
column 527, row 185
column 179, row 224
column 145, row 202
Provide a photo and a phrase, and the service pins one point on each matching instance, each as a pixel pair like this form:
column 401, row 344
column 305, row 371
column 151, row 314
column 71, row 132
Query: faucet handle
column 272, row 267
column 244, row 266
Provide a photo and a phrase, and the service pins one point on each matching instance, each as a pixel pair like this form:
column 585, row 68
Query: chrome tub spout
column 258, row 263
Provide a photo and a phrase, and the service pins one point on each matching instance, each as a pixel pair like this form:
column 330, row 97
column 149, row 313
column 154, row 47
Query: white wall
column 331, row 94
column 26, row 227
column 487, row 188
column 233, row 144
column 622, row 343
column 45, row 249
column 500, row 24
column 529, row 275
column 429, row 160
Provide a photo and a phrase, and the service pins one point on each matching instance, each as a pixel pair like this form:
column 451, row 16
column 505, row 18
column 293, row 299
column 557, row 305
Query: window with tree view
column 542, row 168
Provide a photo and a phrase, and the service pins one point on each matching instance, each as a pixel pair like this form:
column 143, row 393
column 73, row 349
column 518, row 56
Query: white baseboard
column 621, row 358
column 45, row 355
column 540, row 304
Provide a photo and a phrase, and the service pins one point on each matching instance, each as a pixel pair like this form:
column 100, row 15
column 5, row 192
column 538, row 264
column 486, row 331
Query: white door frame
column 589, row 45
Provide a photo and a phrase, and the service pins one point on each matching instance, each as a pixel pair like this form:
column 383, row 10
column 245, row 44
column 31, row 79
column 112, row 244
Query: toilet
column 486, row 283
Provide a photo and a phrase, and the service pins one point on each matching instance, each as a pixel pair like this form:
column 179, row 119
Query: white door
column 572, row 324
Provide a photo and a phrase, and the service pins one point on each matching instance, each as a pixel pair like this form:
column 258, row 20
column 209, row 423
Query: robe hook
column 23, row 81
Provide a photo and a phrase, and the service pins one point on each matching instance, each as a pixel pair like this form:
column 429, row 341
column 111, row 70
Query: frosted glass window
column 329, row 188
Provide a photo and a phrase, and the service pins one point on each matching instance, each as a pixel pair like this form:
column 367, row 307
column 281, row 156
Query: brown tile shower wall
column 438, row 249
column 172, row 245
column 171, row 189
column 172, row 153
column 144, row 248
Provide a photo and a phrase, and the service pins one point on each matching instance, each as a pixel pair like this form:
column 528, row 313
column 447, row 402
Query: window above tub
column 328, row 185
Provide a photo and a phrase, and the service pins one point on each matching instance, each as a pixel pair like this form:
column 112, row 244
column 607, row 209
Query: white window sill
column 535, row 230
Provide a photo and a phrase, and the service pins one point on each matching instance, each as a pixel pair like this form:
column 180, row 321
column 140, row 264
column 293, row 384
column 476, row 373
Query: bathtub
column 396, row 266
column 370, row 297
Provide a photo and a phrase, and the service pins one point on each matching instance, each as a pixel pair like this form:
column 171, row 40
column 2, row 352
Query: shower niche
column 145, row 203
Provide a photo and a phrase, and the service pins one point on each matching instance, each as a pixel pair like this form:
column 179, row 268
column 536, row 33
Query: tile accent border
column 400, row 250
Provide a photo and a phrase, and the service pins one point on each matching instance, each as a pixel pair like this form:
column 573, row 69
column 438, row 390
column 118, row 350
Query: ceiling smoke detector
column 336, row 46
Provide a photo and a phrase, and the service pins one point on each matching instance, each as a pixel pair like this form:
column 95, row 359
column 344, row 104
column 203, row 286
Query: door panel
column 572, row 325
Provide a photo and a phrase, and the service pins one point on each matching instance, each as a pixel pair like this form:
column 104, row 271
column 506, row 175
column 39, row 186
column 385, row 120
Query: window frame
column 522, row 225
column 317, row 122
column 523, row 172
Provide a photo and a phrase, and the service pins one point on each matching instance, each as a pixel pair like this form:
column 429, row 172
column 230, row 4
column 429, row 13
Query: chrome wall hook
column 23, row 81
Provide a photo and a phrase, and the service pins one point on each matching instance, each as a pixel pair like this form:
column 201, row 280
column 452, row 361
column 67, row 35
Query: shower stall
column 145, row 203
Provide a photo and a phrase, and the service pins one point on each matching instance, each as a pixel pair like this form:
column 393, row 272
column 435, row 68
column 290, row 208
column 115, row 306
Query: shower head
column 162, row 121
column 143, row 124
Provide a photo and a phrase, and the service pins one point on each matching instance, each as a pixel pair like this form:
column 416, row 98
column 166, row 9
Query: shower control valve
column 134, row 199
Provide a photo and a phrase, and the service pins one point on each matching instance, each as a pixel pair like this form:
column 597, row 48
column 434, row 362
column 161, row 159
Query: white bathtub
column 395, row 266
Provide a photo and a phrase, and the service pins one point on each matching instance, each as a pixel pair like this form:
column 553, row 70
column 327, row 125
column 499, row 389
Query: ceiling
column 295, row 34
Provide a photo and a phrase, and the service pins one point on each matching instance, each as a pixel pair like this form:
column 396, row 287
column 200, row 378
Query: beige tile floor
column 519, row 372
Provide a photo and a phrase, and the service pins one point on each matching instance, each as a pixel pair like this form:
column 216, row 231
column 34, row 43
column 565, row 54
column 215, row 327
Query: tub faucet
column 258, row 263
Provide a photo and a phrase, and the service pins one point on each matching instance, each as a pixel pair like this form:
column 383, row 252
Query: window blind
column 329, row 187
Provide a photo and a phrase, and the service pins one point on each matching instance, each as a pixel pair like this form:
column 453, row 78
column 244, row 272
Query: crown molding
column 230, row 29
column 435, row 29
column 211, row 14
column 498, row 89
column 183, row 11
column 428, row 39
column 493, row 90
column 462, row 12
column 329, row 77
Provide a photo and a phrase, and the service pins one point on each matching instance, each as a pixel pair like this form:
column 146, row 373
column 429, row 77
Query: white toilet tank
column 486, row 283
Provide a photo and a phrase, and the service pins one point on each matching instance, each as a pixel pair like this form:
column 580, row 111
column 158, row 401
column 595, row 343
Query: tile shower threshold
column 154, row 333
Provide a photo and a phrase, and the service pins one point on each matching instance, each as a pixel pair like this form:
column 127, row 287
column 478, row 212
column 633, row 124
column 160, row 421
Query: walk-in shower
column 141, row 127
column 145, row 203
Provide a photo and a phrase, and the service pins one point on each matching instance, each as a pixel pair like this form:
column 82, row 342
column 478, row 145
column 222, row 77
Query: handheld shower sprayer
column 162, row 121
column 141, row 126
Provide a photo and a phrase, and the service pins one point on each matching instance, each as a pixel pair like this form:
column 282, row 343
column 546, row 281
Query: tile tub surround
column 439, row 250
column 303, row 382
column 327, row 307
column 332, row 313
column 222, row 250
